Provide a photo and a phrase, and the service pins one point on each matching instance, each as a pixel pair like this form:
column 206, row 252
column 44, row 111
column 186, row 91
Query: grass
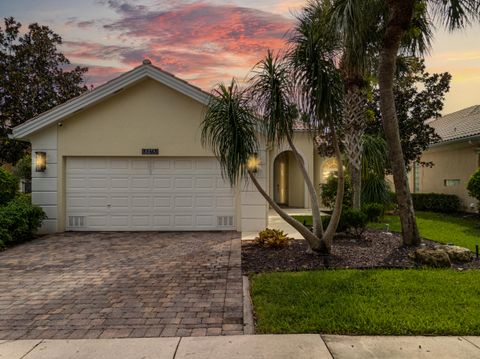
column 439, row 227
column 385, row 302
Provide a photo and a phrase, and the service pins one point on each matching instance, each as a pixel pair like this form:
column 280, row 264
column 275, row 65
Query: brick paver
column 116, row 285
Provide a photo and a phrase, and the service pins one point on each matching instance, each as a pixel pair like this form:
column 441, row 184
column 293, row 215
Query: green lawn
column 438, row 227
column 383, row 302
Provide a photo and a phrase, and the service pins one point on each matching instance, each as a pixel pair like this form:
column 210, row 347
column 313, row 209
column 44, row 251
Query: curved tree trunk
column 316, row 220
column 401, row 12
column 314, row 242
column 337, row 209
column 354, row 124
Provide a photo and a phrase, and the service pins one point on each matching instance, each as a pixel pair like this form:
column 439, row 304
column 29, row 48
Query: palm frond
column 456, row 14
column 229, row 129
column 314, row 57
column 270, row 87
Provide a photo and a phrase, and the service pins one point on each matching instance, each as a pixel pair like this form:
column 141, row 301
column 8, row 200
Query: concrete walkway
column 275, row 221
column 306, row 346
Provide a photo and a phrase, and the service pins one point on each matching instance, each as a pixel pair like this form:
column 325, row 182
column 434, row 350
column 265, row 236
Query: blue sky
column 207, row 41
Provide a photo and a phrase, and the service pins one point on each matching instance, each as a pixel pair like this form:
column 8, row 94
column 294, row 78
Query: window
column 329, row 168
column 416, row 177
column 451, row 182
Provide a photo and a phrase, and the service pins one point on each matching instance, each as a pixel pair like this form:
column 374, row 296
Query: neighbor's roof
column 458, row 125
column 87, row 99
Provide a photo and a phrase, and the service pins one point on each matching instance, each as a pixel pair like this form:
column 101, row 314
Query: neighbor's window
column 451, row 182
column 416, row 177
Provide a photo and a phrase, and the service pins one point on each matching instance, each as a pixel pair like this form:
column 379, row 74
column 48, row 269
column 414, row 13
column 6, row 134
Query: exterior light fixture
column 253, row 163
column 40, row 161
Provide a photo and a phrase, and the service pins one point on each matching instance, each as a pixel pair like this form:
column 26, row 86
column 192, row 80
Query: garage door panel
column 97, row 220
column 117, row 221
column 120, row 182
column 162, row 202
column 161, row 165
column 119, row 164
column 205, row 183
column 205, row 220
column 183, row 220
column 147, row 194
column 183, row 202
column 163, row 221
column 141, row 183
column 162, row 183
column 183, row 183
column 77, row 201
column 204, row 202
column 98, row 201
column 119, row 201
column 183, row 164
column 140, row 164
column 140, row 220
column 140, row 202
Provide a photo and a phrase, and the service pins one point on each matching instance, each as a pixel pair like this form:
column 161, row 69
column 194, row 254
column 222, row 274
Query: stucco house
column 127, row 156
column 456, row 157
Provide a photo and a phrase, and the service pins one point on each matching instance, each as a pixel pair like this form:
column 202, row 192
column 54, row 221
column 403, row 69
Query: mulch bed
column 376, row 249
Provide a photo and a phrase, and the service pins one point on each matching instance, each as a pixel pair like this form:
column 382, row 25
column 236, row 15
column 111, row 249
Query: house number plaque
column 150, row 151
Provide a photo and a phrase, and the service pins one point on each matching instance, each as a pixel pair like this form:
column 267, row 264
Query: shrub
column 329, row 192
column 436, row 202
column 23, row 168
column 272, row 238
column 19, row 220
column 354, row 221
column 373, row 211
column 8, row 186
column 473, row 185
column 375, row 189
column 341, row 225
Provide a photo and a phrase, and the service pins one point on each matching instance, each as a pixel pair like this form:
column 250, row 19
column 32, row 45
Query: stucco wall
column 44, row 184
column 145, row 115
column 455, row 161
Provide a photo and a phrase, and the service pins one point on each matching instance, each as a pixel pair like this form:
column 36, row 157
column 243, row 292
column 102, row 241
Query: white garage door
column 165, row 194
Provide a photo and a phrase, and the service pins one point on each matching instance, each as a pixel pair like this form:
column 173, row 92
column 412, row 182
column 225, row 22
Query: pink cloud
column 201, row 42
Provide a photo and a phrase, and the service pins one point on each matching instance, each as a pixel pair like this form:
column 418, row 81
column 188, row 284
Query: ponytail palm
column 236, row 120
column 229, row 129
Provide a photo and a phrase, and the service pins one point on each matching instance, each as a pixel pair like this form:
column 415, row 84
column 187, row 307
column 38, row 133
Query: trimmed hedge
column 436, row 202
column 351, row 221
column 19, row 220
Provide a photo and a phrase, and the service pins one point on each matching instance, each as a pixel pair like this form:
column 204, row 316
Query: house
column 455, row 157
column 127, row 156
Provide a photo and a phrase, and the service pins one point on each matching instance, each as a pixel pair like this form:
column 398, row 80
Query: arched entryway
column 288, row 183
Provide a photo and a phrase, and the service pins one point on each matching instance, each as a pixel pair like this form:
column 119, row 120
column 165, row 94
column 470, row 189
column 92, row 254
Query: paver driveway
column 112, row 285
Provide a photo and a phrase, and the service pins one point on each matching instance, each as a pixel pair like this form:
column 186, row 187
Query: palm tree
column 235, row 119
column 351, row 34
column 454, row 14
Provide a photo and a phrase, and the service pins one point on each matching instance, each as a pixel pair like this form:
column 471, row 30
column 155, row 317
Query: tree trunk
column 354, row 125
column 356, row 184
column 316, row 220
column 401, row 12
column 314, row 242
column 337, row 209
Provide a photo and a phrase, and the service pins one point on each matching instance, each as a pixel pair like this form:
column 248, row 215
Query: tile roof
column 462, row 124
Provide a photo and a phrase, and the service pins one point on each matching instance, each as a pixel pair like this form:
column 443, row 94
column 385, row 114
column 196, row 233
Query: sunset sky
column 205, row 42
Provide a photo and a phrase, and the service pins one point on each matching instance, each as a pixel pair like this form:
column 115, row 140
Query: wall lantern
column 40, row 161
column 253, row 163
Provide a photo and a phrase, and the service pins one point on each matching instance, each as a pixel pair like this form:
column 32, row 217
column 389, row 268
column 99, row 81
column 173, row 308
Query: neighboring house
column 128, row 156
column 456, row 157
